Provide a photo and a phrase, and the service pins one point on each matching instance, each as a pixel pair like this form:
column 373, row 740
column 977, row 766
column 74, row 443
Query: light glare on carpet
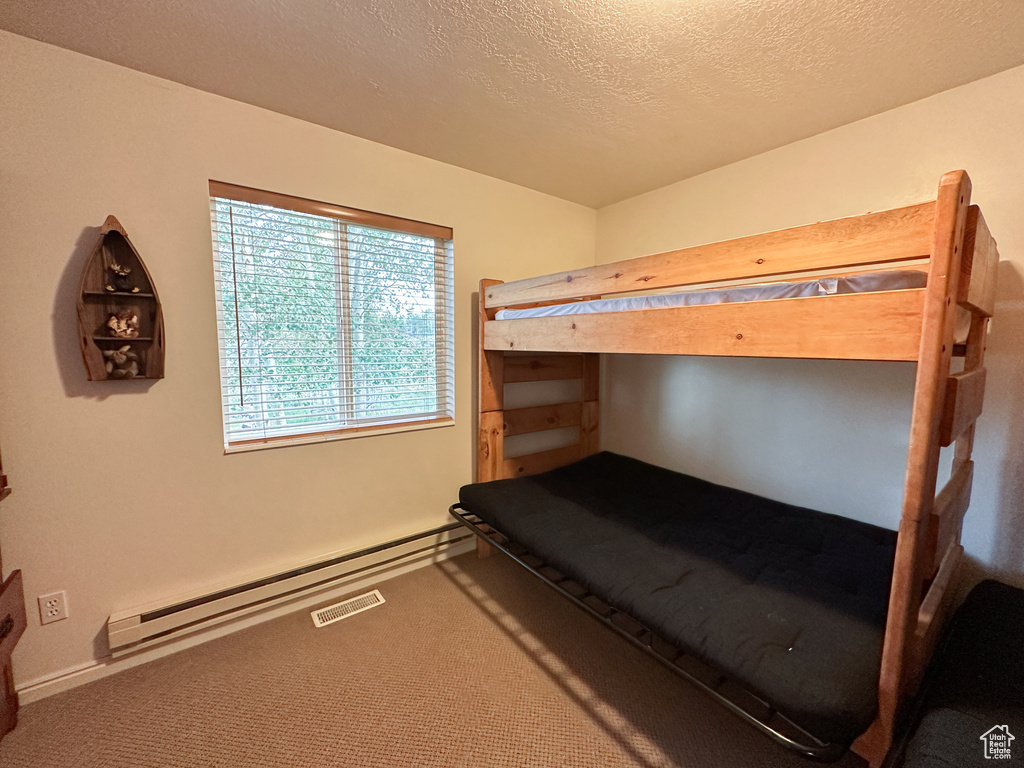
column 332, row 613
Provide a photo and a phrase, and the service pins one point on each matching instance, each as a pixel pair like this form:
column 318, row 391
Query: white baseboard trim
column 72, row 677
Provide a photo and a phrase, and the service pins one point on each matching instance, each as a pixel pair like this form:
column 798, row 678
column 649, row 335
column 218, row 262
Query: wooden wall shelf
column 105, row 294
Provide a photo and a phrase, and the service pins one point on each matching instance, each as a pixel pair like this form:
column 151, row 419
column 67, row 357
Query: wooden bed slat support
column 936, row 606
column 978, row 269
column 533, row 463
column 932, row 602
column 867, row 326
column 965, row 394
column 588, row 428
column 951, row 505
column 974, row 358
column 948, row 514
column 519, row 369
column 591, row 378
column 876, row 238
column 520, row 421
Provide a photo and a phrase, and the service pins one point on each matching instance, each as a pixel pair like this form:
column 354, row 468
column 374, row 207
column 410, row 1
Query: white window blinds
column 328, row 326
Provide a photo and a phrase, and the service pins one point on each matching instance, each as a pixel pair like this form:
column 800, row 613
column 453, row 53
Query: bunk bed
column 813, row 627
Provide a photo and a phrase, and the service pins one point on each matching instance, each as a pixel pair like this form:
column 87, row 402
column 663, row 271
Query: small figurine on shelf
column 119, row 279
column 121, row 363
column 124, row 324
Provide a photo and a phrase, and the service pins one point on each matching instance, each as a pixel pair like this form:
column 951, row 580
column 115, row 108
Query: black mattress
column 788, row 601
column 976, row 686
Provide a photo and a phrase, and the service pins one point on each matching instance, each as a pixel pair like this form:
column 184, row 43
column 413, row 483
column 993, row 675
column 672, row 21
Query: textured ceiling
column 590, row 100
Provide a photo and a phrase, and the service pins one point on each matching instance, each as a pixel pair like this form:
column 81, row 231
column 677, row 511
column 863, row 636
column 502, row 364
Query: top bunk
column 856, row 288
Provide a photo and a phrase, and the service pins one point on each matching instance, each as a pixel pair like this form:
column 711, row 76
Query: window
column 332, row 321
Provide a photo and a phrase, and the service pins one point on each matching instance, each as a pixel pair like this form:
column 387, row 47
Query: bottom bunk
column 786, row 604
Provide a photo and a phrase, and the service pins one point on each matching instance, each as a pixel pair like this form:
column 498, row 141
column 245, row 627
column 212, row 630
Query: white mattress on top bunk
column 826, row 286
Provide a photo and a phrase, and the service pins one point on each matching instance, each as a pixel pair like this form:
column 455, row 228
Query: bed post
column 901, row 660
column 591, row 386
column 490, row 456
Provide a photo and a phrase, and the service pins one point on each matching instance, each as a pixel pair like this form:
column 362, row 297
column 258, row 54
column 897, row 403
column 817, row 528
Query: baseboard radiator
column 138, row 628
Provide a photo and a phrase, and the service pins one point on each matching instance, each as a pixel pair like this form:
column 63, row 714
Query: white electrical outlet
column 53, row 607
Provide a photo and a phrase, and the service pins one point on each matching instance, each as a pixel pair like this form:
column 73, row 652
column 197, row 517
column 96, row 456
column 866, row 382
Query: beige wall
column 833, row 435
column 122, row 492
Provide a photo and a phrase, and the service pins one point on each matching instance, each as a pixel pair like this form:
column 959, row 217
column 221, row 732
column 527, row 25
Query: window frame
column 362, row 218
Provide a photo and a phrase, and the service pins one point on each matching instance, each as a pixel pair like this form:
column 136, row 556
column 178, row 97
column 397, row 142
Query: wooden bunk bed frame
column 947, row 238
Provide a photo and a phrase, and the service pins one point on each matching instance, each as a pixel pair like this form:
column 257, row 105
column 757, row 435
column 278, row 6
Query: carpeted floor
column 468, row 663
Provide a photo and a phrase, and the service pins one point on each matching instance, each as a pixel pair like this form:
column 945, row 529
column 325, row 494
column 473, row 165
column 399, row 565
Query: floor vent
column 332, row 613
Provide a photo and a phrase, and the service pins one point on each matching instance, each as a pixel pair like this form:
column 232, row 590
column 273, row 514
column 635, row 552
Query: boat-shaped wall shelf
column 120, row 322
